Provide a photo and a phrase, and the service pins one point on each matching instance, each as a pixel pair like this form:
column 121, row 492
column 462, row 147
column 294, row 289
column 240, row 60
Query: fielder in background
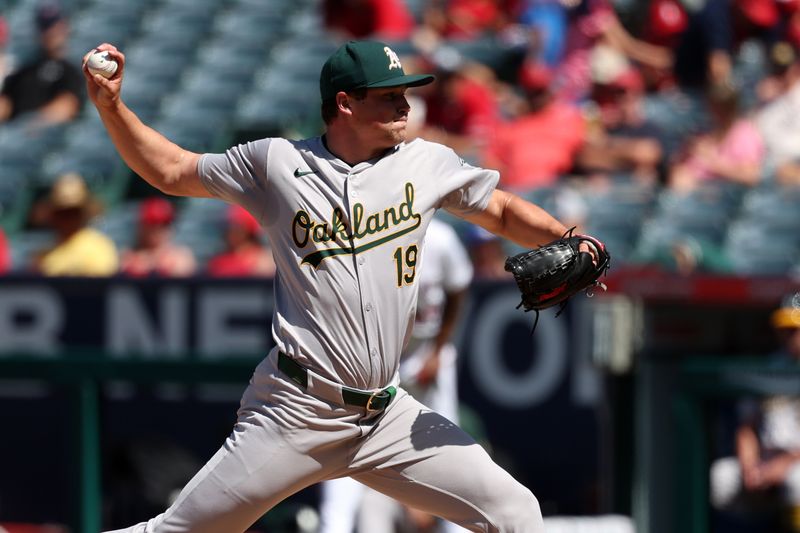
column 428, row 371
column 763, row 478
column 346, row 214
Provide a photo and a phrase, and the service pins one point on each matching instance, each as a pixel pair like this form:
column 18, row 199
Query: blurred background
column 130, row 322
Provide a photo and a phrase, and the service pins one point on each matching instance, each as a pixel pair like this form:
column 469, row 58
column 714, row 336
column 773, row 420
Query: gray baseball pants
column 285, row 440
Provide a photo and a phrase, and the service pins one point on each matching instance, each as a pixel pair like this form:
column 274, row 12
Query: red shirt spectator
column 468, row 19
column 5, row 254
column 464, row 107
column 245, row 254
column 536, row 148
column 154, row 252
column 386, row 19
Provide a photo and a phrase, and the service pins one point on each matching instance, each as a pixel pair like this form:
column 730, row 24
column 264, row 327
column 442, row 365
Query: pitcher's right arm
column 162, row 163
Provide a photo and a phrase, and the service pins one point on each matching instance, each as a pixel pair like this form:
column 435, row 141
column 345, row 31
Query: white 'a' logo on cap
column 394, row 61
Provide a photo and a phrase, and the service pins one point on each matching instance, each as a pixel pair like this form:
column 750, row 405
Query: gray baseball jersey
column 346, row 242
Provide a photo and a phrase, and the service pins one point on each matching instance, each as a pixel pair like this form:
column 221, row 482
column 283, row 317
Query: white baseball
column 101, row 63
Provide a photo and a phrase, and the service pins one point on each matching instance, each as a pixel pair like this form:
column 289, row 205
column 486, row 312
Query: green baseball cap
column 360, row 64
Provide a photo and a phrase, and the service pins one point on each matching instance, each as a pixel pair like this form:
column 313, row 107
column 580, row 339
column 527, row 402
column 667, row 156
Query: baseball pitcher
column 346, row 213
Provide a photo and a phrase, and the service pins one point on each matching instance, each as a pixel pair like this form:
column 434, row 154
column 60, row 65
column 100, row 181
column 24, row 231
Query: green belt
column 371, row 401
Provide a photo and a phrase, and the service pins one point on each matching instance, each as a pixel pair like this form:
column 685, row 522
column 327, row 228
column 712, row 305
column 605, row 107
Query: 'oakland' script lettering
column 305, row 228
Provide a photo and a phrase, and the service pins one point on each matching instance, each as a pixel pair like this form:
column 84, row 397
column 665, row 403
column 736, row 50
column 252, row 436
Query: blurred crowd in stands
column 611, row 114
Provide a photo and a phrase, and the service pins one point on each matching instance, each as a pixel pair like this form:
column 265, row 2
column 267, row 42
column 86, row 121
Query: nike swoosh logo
column 300, row 173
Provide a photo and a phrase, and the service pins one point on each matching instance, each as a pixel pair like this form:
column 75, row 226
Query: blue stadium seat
column 15, row 197
column 143, row 92
column 93, row 27
column 226, row 63
column 199, row 225
column 24, row 245
column 704, row 213
column 207, row 88
column 87, row 135
column 25, row 148
column 755, row 250
column 775, row 208
column 620, row 205
column 677, row 116
column 120, row 223
column 186, row 20
column 98, row 169
column 243, row 27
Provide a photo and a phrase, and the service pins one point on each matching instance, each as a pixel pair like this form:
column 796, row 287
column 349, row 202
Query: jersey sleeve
column 238, row 176
column 464, row 188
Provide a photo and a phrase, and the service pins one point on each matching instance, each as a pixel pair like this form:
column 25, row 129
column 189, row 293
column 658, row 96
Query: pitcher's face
column 382, row 117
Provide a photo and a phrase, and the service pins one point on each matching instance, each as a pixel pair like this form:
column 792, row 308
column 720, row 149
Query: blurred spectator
column 547, row 20
column 154, row 252
column 535, row 149
column 665, row 22
column 79, row 250
column 732, row 151
column 487, row 254
column 467, row 19
column 5, row 57
column 707, row 48
column 588, row 23
column 5, row 253
column 777, row 78
column 379, row 19
column 764, row 475
column 462, row 108
column 779, row 120
column 49, row 89
column 245, row 253
column 619, row 138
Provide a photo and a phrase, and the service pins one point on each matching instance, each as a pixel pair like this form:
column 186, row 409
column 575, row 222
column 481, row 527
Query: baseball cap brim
column 409, row 80
column 786, row 318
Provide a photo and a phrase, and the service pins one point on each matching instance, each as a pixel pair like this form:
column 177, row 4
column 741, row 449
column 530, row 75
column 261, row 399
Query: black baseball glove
column 551, row 274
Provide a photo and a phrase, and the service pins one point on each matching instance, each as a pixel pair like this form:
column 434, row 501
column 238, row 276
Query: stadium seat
column 226, row 63
column 621, row 204
column 143, row 92
column 276, row 112
column 242, row 27
column 97, row 168
column 186, row 20
column 755, row 250
column 119, row 223
column 93, row 27
column 677, row 115
column 87, row 135
column 704, row 213
column 207, row 88
column 15, row 197
column 199, row 225
column 24, row 148
column 775, row 208
column 24, row 245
